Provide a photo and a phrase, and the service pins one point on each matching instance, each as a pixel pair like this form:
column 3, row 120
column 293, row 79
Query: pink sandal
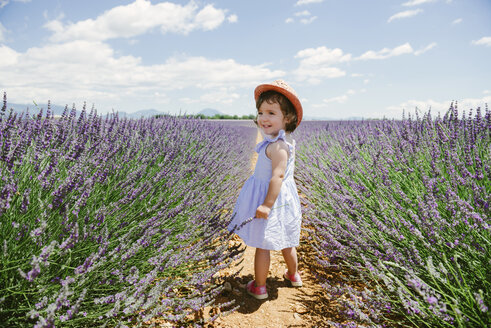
column 294, row 279
column 258, row 292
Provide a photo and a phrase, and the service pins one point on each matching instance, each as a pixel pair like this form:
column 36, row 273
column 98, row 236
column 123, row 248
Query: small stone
column 296, row 316
column 227, row 286
column 301, row 309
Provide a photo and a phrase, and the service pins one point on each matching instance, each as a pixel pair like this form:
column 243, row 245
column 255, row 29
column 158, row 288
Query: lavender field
column 109, row 221
column 404, row 207
column 117, row 222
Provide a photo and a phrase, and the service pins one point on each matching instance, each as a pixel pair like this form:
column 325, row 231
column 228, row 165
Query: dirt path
column 286, row 306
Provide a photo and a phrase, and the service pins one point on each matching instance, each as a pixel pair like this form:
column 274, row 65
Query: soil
column 307, row 306
column 286, row 306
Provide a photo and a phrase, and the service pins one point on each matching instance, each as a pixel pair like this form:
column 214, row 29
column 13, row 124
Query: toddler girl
column 270, row 195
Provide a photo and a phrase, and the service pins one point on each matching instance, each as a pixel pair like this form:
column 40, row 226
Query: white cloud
column 397, row 51
column 457, row 21
column 340, row 99
column 208, row 18
column 306, row 2
column 3, row 30
column 405, row 14
column 308, row 20
column 409, row 106
column 322, row 55
column 223, row 95
column 46, row 15
column 417, row 2
column 302, row 13
column 9, row 56
column 315, row 75
column 484, row 41
column 425, row 49
column 435, row 106
column 205, row 73
column 90, row 71
column 305, row 20
column 317, row 64
column 474, row 103
column 232, row 19
column 139, row 17
column 387, row 53
column 3, row 3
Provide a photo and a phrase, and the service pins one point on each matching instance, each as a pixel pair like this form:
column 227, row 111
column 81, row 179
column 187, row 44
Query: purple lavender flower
column 411, row 192
column 91, row 194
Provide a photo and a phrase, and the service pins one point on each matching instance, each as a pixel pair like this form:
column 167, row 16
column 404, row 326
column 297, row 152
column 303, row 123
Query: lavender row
column 110, row 221
column 405, row 207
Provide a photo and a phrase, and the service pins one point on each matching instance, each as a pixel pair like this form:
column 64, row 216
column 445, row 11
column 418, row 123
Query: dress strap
column 281, row 135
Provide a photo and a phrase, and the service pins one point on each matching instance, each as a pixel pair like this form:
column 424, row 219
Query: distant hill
column 210, row 112
column 316, row 118
column 142, row 113
column 19, row 108
column 58, row 110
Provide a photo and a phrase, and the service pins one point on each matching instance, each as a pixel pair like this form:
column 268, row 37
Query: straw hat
column 286, row 90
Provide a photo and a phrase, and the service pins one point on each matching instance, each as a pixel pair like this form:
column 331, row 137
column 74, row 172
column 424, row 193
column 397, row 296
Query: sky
column 344, row 58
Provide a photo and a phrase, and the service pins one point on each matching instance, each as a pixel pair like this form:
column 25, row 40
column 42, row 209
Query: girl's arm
column 278, row 153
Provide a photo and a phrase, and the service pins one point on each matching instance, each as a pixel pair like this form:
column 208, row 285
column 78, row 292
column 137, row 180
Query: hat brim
column 293, row 99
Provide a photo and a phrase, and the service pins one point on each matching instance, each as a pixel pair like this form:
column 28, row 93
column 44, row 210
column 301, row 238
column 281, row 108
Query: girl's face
column 270, row 118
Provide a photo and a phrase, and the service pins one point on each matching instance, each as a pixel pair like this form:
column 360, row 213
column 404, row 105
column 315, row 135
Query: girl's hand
column 262, row 212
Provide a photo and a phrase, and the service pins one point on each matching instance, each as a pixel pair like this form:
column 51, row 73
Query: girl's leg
column 261, row 266
column 290, row 256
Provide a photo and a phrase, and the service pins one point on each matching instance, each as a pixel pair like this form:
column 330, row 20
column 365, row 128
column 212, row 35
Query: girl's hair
column 286, row 106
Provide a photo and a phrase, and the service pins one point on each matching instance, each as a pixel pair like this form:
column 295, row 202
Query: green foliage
column 405, row 205
column 103, row 219
column 223, row 117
